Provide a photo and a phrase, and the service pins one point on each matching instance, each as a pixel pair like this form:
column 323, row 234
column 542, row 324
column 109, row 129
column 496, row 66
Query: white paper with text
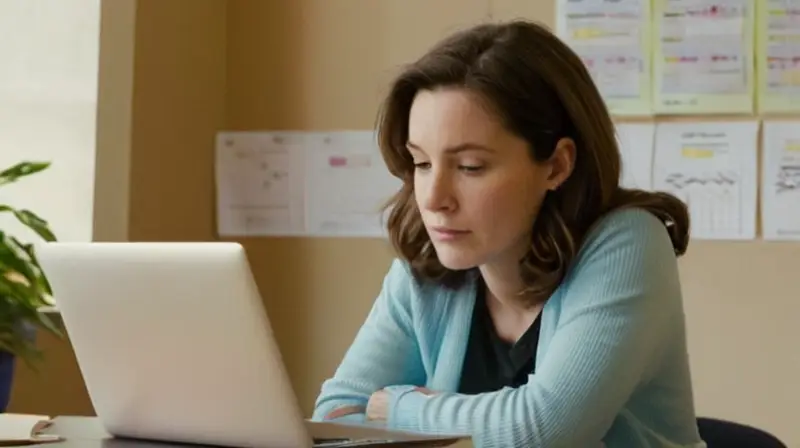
column 713, row 167
column 780, row 181
column 260, row 184
column 347, row 185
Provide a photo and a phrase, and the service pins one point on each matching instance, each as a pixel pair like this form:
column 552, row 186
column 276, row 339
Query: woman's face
column 476, row 185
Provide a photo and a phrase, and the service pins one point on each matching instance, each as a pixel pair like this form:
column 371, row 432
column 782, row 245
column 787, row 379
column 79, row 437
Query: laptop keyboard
column 341, row 443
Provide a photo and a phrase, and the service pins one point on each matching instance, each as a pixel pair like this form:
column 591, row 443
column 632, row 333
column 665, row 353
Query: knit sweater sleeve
column 384, row 352
column 615, row 316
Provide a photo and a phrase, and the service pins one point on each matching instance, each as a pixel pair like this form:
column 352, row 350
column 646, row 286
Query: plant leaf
column 13, row 340
column 23, row 285
column 31, row 221
column 13, row 264
column 21, row 296
column 44, row 284
column 45, row 322
column 19, row 270
column 21, row 169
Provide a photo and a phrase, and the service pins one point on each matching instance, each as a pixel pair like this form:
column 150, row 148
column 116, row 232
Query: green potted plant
column 24, row 289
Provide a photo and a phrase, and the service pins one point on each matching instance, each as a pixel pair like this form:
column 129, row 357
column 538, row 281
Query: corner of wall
column 114, row 120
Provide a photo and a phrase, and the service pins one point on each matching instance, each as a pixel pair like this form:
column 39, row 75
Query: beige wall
column 161, row 100
column 256, row 64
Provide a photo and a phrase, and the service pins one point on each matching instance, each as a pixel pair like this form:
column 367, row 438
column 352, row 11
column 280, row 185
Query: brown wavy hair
column 542, row 92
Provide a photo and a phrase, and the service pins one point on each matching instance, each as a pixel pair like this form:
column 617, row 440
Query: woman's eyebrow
column 455, row 149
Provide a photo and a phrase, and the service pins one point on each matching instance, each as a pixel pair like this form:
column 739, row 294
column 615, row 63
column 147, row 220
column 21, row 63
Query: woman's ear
column 562, row 162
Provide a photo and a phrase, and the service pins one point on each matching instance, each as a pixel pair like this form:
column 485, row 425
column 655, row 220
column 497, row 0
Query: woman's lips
column 448, row 233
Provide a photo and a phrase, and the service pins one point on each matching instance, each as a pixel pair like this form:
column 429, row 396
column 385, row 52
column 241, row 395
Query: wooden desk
column 87, row 432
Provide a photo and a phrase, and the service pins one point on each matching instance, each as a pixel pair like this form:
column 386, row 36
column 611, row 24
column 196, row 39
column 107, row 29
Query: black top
column 491, row 363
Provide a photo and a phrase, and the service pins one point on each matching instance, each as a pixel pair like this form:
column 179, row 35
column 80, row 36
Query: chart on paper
column 780, row 205
column 712, row 167
column 612, row 39
column 347, row 185
column 259, row 184
column 779, row 56
column 702, row 59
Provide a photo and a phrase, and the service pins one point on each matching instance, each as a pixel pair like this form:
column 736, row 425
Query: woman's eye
column 471, row 168
column 422, row 165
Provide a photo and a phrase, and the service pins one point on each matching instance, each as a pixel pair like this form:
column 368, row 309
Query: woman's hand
column 378, row 405
column 343, row 411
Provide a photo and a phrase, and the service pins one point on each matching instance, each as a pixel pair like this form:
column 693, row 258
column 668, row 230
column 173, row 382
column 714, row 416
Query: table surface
column 88, row 432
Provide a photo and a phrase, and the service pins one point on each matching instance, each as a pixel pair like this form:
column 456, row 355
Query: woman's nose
column 438, row 192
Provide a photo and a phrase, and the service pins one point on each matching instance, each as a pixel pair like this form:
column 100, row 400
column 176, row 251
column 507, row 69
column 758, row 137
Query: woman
column 534, row 301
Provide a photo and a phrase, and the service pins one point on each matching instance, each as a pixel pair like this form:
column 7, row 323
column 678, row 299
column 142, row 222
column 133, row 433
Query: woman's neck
column 504, row 284
column 509, row 310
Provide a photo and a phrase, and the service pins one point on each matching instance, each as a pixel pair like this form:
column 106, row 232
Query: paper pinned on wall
column 301, row 184
column 613, row 40
column 703, row 56
column 347, row 185
column 713, row 167
column 778, row 56
column 636, row 147
column 259, row 182
column 780, row 188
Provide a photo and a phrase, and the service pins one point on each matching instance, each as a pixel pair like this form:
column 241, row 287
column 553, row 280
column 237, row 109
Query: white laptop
column 174, row 344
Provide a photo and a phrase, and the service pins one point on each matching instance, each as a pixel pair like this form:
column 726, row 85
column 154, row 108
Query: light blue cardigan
column 611, row 365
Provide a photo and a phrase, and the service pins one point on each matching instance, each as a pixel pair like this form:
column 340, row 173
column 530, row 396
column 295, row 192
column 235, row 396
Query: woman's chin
column 457, row 260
